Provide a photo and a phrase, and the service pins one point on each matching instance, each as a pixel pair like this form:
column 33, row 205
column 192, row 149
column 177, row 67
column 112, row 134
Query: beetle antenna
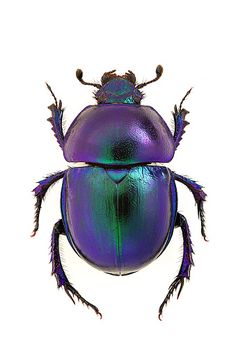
column 79, row 75
column 183, row 99
column 159, row 71
column 52, row 93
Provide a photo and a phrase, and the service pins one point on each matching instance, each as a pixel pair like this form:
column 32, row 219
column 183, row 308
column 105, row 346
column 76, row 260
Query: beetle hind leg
column 58, row 271
column 187, row 262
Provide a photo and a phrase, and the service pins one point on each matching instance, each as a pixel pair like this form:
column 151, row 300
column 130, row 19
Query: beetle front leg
column 40, row 192
column 56, row 119
column 179, row 115
column 199, row 196
column 58, row 271
column 187, row 261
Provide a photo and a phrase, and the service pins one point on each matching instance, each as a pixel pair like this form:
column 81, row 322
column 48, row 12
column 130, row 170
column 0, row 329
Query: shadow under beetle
column 119, row 207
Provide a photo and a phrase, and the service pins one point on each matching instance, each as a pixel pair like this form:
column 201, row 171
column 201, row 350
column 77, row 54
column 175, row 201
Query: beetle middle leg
column 187, row 261
column 58, row 271
column 40, row 192
column 199, row 196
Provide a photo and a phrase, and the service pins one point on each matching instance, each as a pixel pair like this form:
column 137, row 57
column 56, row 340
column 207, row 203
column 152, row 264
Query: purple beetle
column 118, row 203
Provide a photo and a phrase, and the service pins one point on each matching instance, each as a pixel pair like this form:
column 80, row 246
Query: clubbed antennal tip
column 159, row 71
column 79, row 75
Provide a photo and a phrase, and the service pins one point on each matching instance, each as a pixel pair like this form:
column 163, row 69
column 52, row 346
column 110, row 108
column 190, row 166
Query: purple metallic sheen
column 119, row 227
column 118, row 134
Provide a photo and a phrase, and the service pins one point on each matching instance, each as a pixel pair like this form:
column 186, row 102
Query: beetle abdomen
column 119, row 134
column 119, row 220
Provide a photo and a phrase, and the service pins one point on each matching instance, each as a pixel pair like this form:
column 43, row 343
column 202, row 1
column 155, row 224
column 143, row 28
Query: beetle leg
column 56, row 119
column 58, row 271
column 40, row 192
column 199, row 196
column 187, row 261
column 179, row 115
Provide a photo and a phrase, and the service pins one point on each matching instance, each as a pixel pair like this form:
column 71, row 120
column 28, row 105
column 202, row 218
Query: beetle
column 118, row 201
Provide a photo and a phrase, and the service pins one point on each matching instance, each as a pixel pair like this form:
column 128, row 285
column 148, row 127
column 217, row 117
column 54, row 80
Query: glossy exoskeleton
column 118, row 202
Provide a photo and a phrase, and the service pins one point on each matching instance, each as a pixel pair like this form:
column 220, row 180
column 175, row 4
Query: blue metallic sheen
column 118, row 90
column 119, row 221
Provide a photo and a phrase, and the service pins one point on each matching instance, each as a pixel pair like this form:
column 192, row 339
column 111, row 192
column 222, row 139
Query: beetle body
column 119, row 208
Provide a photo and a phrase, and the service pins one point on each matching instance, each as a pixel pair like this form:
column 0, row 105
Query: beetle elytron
column 118, row 203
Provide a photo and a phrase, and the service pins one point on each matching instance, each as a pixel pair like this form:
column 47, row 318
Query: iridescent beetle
column 119, row 205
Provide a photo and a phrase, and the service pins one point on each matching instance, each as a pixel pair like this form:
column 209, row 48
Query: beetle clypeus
column 119, row 207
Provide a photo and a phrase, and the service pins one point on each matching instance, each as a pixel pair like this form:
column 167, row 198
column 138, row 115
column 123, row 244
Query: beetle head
column 119, row 88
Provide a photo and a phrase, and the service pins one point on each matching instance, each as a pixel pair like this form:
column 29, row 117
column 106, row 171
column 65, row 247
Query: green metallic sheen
column 119, row 219
column 118, row 90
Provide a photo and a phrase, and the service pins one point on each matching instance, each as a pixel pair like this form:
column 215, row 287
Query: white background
column 49, row 40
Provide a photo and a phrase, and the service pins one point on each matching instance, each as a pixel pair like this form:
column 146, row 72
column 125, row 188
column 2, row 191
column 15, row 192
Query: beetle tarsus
column 58, row 271
column 201, row 215
column 69, row 289
column 178, row 281
column 52, row 93
column 183, row 99
column 187, row 262
column 33, row 233
column 179, row 115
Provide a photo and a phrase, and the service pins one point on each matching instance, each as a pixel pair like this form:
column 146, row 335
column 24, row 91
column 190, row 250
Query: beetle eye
column 137, row 96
